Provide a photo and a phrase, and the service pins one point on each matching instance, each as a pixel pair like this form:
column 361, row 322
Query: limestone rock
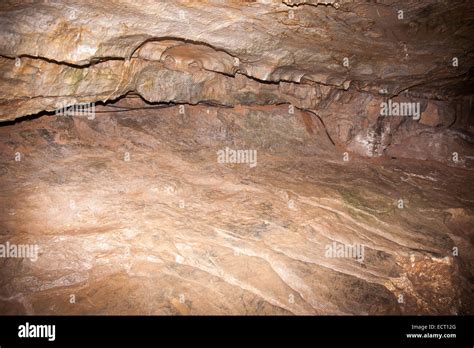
column 242, row 157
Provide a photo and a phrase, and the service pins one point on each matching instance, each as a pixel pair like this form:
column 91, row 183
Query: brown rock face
column 257, row 157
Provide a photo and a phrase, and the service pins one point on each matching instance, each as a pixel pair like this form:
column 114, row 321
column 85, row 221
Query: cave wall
column 338, row 60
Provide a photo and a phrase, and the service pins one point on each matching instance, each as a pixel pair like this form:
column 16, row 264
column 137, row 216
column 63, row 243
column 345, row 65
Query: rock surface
column 307, row 53
column 360, row 114
column 170, row 230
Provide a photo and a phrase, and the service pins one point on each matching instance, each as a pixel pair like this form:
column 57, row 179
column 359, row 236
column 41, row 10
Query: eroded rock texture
column 358, row 115
column 134, row 236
